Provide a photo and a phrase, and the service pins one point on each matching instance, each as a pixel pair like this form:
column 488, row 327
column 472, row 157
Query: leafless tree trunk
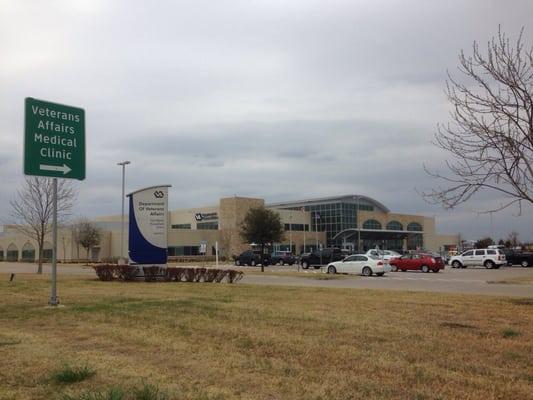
column 490, row 136
column 32, row 209
column 513, row 239
column 86, row 234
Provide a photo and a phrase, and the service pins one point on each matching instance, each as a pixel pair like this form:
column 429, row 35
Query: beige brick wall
column 231, row 214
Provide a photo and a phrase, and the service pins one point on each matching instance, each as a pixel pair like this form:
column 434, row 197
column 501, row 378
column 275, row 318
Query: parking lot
column 506, row 281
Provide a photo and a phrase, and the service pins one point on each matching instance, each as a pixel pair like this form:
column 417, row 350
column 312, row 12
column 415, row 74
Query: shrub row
column 109, row 272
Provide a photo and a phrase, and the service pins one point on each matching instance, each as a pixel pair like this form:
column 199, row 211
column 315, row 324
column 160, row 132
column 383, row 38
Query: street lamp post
column 357, row 223
column 290, row 233
column 123, row 163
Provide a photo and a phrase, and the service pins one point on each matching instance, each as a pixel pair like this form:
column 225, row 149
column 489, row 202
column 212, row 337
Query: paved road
column 468, row 281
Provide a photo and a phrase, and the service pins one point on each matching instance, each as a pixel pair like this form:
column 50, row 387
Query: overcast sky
column 280, row 100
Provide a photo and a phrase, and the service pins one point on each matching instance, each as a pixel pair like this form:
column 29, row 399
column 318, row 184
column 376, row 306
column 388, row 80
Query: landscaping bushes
column 109, row 272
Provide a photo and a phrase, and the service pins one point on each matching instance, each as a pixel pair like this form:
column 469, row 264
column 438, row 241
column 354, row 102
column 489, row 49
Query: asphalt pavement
column 506, row 281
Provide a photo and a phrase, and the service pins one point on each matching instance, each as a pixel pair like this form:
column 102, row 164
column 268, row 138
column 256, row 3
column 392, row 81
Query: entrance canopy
column 372, row 234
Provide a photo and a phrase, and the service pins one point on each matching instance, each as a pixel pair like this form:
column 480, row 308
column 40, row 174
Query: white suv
column 489, row 258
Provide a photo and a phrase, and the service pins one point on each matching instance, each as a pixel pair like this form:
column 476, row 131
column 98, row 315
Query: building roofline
column 331, row 198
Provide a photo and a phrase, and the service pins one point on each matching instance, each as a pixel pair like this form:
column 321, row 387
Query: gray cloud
column 280, row 100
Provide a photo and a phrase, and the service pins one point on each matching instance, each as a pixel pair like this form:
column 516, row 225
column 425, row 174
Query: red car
column 417, row 262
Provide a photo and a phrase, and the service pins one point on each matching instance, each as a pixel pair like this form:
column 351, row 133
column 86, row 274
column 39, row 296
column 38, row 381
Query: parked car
column 417, row 262
column 282, row 257
column 252, row 258
column 321, row 257
column 383, row 254
column 513, row 257
column 359, row 264
column 489, row 258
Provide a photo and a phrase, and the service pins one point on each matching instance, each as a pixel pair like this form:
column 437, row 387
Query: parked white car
column 383, row 254
column 489, row 258
column 359, row 264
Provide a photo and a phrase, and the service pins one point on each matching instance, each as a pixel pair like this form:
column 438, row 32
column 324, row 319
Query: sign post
column 54, row 147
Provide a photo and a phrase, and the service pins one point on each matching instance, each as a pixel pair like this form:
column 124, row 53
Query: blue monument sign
column 148, row 225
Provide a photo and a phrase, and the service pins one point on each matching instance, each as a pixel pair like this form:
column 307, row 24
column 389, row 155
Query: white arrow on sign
column 64, row 168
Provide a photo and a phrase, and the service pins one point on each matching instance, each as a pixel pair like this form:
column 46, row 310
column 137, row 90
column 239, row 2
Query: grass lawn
column 220, row 341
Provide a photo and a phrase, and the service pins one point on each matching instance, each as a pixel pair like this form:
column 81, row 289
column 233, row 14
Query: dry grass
column 207, row 341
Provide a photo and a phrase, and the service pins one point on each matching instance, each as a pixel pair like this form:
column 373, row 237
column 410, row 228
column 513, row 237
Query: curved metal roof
column 352, row 198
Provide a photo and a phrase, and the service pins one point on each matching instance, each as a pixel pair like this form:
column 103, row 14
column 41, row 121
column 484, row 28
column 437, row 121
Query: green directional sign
column 54, row 140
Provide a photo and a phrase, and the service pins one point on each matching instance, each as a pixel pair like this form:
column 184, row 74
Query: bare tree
column 513, row 239
column 490, row 136
column 75, row 232
column 88, row 234
column 32, row 208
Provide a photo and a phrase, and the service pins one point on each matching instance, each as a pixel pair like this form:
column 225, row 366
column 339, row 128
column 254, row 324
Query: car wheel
column 436, row 270
column 380, row 273
column 252, row 263
column 393, row 268
column 237, row 262
column 524, row 264
column 305, row 265
column 332, row 270
column 403, row 270
column 425, row 268
column 366, row 271
column 489, row 264
column 456, row 264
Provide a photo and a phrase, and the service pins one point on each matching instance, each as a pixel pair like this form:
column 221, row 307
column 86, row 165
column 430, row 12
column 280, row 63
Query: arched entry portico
column 361, row 240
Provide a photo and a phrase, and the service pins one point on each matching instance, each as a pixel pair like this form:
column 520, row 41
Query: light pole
column 123, row 163
column 290, row 233
column 303, row 219
column 357, row 222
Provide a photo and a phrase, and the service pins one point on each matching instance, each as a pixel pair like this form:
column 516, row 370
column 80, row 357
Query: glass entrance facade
column 337, row 217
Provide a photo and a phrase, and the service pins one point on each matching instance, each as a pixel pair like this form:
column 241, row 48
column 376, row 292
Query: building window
column 414, row 227
column 296, row 227
column 47, row 254
column 371, row 224
column 207, row 225
column 415, row 241
column 28, row 255
column 181, row 226
column 394, row 226
column 183, row 251
column 1, row 255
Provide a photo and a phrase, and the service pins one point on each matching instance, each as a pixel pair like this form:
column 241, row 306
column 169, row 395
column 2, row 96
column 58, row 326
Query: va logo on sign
column 159, row 194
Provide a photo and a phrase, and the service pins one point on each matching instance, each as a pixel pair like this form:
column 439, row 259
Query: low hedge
column 110, row 272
